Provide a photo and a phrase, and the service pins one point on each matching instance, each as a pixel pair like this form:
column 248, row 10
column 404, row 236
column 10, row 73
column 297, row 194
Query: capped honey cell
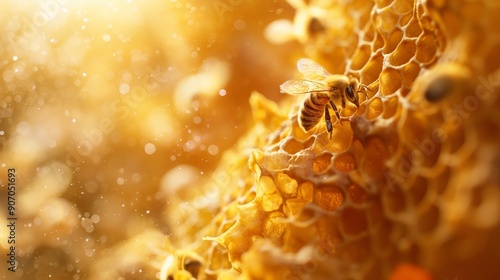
column 329, row 197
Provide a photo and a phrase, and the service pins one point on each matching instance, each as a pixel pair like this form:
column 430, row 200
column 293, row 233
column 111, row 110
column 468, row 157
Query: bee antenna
column 364, row 86
column 364, row 91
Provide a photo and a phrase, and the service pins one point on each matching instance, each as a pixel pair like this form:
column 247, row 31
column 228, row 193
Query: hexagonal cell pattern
column 409, row 185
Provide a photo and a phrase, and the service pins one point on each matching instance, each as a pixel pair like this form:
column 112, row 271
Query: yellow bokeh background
column 108, row 107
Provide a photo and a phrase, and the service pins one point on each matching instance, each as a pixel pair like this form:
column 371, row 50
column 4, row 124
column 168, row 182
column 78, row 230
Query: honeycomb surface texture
column 407, row 184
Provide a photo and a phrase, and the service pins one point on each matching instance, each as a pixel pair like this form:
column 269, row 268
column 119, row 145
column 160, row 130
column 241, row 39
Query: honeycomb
column 407, row 188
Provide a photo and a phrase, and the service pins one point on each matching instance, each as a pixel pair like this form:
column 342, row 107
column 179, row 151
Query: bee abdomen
column 311, row 111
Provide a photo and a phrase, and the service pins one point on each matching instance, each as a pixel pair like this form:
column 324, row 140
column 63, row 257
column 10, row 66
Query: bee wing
column 311, row 69
column 302, row 87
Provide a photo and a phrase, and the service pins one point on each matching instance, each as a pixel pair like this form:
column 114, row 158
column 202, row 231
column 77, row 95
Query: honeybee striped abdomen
column 311, row 111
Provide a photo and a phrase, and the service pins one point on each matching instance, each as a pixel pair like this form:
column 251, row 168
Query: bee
column 324, row 91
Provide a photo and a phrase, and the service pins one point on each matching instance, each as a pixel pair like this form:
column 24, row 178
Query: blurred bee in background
column 324, row 91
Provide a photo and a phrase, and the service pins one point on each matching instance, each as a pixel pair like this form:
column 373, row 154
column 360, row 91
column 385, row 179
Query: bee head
column 352, row 95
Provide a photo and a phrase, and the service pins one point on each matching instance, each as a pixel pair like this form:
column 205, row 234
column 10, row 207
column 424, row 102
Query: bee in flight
column 324, row 90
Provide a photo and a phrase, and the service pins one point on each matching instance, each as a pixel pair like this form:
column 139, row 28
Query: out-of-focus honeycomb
column 408, row 187
column 104, row 105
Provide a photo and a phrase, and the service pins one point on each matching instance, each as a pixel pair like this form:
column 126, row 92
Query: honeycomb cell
column 353, row 221
column 344, row 162
column 375, row 214
column 383, row 3
column 375, row 108
column 387, row 20
column 426, row 48
column 417, row 190
column 404, row 20
column 226, row 224
column 372, row 69
column 403, row 53
column 293, row 206
column 394, row 199
column 286, row 184
column 403, row 7
column 413, row 29
column 361, row 57
column 309, row 142
column 378, row 42
column 297, row 132
column 390, row 81
column 274, row 226
column 293, row 146
column 409, row 73
column 404, row 92
column 375, row 155
column 427, row 158
column 340, row 140
column 357, row 194
column 329, row 197
column 307, row 214
column 429, row 219
column 390, row 107
column 322, row 163
column 249, row 196
column 358, row 149
column 392, row 40
column 266, row 186
column 440, row 182
column 306, row 191
column 368, row 35
column 271, row 202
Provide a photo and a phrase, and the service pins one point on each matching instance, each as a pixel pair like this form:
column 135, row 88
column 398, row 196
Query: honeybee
column 324, row 91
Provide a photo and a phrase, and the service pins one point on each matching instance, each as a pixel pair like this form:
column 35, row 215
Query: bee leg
column 336, row 111
column 329, row 126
